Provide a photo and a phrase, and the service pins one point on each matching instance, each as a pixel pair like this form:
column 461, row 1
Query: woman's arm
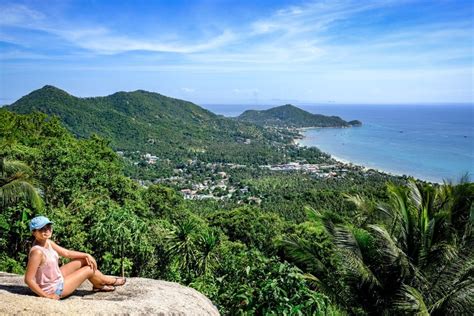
column 71, row 254
column 34, row 261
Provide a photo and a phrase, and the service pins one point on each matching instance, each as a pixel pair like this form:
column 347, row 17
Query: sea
column 429, row 142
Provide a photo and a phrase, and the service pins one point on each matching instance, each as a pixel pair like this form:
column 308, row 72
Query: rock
column 138, row 296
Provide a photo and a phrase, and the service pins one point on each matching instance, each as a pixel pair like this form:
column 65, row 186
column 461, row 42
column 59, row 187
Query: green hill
column 291, row 116
column 144, row 121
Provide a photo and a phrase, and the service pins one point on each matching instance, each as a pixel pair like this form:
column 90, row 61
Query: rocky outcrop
column 138, row 296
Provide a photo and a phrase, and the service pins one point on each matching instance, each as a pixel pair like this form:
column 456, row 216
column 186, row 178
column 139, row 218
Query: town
column 197, row 180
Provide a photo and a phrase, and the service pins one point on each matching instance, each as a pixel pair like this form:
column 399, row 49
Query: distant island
column 291, row 116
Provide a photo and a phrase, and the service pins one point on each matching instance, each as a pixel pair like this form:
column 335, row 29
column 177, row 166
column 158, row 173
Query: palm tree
column 16, row 184
column 430, row 223
column 368, row 265
column 182, row 245
column 121, row 232
column 207, row 243
column 418, row 260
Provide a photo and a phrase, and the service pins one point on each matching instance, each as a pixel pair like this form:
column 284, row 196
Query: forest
column 362, row 244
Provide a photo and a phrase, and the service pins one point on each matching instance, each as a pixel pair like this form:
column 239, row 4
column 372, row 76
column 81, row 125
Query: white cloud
column 100, row 39
column 103, row 41
column 295, row 38
column 188, row 90
column 19, row 15
column 20, row 54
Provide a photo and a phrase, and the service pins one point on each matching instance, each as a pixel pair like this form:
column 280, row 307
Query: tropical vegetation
column 286, row 243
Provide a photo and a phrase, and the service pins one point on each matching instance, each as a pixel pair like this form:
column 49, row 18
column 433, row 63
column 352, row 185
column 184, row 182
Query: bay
column 429, row 142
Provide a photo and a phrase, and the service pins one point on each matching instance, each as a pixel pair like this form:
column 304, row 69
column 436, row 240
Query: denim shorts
column 59, row 289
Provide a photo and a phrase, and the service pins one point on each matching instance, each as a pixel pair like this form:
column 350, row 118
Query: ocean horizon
column 429, row 142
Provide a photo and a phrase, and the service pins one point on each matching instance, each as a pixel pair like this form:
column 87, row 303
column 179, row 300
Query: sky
column 242, row 52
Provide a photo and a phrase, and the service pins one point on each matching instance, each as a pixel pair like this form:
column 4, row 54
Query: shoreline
column 364, row 168
column 302, row 129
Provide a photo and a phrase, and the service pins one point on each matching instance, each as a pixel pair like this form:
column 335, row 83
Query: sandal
column 104, row 288
column 119, row 281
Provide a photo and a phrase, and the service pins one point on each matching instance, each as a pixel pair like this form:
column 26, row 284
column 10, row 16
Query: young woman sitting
column 45, row 277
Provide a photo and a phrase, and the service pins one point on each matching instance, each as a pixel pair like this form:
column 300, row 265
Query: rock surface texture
column 138, row 297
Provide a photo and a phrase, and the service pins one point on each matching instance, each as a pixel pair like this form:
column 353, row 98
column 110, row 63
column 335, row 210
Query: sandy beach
column 364, row 166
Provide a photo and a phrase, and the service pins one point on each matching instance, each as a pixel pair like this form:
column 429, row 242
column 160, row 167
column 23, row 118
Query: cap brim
column 43, row 225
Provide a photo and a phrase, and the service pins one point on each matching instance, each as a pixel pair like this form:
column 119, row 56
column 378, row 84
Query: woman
column 45, row 278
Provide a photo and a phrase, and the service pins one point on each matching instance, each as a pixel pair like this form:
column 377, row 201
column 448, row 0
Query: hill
column 291, row 116
column 144, row 121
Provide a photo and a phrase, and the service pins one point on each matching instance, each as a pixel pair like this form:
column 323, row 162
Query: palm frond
column 304, row 253
column 325, row 277
column 15, row 190
column 459, row 301
column 312, row 214
column 16, row 183
column 344, row 238
column 387, row 210
column 357, row 272
column 443, row 252
column 366, row 209
column 415, row 194
column 207, row 243
column 313, row 280
column 409, row 301
column 359, row 201
column 404, row 217
column 455, row 292
column 8, row 167
column 392, row 255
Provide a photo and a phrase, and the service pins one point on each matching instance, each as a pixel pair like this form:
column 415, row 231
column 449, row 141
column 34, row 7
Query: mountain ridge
column 140, row 120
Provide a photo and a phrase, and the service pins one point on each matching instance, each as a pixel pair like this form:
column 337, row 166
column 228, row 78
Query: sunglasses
column 45, row 228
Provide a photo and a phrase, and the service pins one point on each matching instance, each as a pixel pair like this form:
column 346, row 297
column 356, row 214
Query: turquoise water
column 429, row 142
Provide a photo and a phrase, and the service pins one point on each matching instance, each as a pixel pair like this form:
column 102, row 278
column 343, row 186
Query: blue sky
column 242, row 52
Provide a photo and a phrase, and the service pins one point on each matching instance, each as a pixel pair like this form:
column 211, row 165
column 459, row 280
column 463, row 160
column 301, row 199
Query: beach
column 431, row 142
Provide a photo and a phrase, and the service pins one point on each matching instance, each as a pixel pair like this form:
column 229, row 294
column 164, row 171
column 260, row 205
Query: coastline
column 367, row 168
column 363, row 167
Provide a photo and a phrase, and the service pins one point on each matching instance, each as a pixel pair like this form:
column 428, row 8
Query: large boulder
column 138, row 296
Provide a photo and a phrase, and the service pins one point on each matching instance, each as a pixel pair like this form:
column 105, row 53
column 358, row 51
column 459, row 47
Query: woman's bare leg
column 98, row 279
column 75, row 279
column 72, row 266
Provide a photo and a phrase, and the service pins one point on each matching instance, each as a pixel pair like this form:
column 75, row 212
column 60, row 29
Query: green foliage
column 430, row 222
column 11, row 265
column 121, row 232
column 15, row 236
column 249, row 226
column 17, row 184
column 309, row 246
column 247, row 283
column 288, row 194
column 313, row 246
column 161, row 200
column 116, row 266
column 418, row 266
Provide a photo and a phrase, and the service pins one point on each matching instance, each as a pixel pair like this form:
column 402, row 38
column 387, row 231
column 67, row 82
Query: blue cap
column 39, row 222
